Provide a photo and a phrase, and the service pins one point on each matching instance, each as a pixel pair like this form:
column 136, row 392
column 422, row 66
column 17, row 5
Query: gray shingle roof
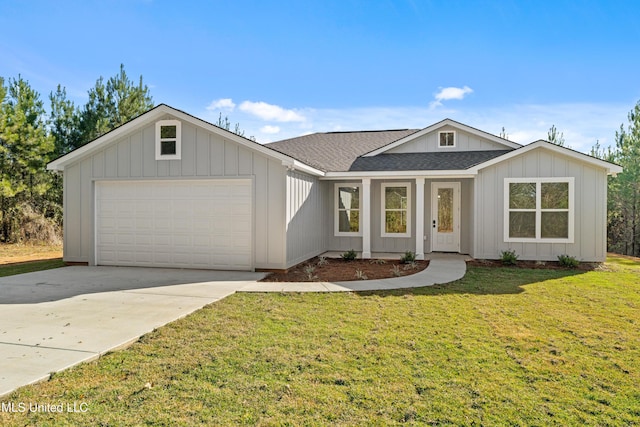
column 336, row 151
column 454, row 160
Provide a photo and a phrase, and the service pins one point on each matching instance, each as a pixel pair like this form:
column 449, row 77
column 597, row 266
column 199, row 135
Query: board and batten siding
column 590, row 207
column 305, row 225
column 204, row 155
column 464, row 142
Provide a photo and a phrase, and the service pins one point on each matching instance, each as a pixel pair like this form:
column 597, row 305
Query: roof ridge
column 365, row 131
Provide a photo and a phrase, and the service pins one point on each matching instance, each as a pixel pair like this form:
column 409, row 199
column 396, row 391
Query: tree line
column 30, row 196
column 30, row 137
column 623, row 218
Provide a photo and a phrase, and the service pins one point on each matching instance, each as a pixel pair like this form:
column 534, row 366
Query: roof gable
column 611, row 168
column 497, row 142
column 159, row 112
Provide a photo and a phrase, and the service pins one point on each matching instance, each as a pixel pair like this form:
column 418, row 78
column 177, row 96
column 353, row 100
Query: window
column 168, row 139
column 396, row 208
column 446, row 139
column 539, row 210
column 347, row 213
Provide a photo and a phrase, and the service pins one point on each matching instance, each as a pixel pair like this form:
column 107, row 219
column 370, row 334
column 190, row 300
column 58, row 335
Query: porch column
column 419, row 218
column 365, row 218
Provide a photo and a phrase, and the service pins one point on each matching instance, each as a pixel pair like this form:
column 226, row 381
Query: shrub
column 408, row 257
column 322, row 261
column 396, row 271
column 360, row 275
column 310, row 270
column 24, row 223
column 349, row 255
column 568, row 261
column 509, row 257
column 411, row 265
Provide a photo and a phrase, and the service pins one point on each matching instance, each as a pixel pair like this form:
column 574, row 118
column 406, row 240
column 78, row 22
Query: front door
column 445, row 216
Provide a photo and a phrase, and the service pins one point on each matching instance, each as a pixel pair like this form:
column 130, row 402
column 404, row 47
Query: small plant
column 408, row 257
column 322, row 261
column 396, row 271
column 568, row 261
column 310, row 270
column 377, row 261
column 360, row 275
column 349, row 255
column 509, row 257
column 411, row 265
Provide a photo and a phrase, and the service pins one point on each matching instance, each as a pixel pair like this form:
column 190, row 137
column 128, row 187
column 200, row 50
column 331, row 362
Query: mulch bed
column 546, row 265
column 339, row 270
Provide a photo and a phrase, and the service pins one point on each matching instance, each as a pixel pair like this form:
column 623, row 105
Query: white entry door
column 182, row 223
column 445, row 216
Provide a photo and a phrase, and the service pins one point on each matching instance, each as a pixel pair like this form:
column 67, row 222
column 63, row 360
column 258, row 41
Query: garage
column 175, row 223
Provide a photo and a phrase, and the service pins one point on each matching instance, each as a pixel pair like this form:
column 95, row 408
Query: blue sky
column 286, row 68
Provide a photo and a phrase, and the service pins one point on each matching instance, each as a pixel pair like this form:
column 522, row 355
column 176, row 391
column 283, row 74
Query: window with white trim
column 539, row 210
column 447, row 139
column 168, row 139
column 347, row 209
column 396, row 210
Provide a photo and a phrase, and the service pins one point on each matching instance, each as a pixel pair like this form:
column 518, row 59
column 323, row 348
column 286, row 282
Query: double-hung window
column 396, row 209
column 168, row 140
column 539, row 210
column 347, row 209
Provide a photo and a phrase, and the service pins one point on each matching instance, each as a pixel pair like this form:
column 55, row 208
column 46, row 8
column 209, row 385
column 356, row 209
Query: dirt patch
column 339, row 270
column 546, row 265
column 17, row 253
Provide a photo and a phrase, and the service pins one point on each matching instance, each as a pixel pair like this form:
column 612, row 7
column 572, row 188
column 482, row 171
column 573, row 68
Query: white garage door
column 184, row 224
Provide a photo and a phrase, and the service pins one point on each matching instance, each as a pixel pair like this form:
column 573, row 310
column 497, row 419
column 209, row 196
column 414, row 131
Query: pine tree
column 64, row 122
column 554, row 137
column 25, row 148
column 625, row 189
column 113, row 104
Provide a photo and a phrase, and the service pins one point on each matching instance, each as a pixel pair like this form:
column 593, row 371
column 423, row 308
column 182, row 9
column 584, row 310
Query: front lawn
column 30, row 266
column 500, row 347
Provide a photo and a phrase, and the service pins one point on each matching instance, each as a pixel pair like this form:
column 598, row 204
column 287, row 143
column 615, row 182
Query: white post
column 365, row 218
column 419, row 218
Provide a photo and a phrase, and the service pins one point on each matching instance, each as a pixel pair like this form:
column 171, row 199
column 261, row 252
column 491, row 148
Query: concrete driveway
column 54, row 319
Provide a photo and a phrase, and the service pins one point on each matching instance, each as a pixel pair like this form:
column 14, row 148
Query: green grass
column 502, row 346
column 28, row 267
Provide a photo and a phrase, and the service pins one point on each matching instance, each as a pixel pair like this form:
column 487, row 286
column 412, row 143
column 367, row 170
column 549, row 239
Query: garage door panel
column 196, row 224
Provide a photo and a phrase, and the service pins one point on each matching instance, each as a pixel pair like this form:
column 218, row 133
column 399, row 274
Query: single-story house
column 168, row 189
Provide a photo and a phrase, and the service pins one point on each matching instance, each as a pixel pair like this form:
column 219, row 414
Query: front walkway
column 443, row 268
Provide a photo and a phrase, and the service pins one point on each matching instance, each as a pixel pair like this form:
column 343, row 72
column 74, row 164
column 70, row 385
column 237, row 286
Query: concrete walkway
column 443, row 268
column 52, row 320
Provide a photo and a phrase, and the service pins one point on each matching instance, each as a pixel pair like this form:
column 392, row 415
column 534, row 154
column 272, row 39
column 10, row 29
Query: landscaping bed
column 541, row 265
column 339, row 270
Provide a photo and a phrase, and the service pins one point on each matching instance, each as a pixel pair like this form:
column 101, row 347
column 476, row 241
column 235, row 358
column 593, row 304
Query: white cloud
column 270, row 129
column 448, row 93
column 271, row 112
column 222, row 104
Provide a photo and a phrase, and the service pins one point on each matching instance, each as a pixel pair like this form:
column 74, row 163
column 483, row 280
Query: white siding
column 464, row 142
column 204, row 154
column 305, row 229
column 590, row 207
